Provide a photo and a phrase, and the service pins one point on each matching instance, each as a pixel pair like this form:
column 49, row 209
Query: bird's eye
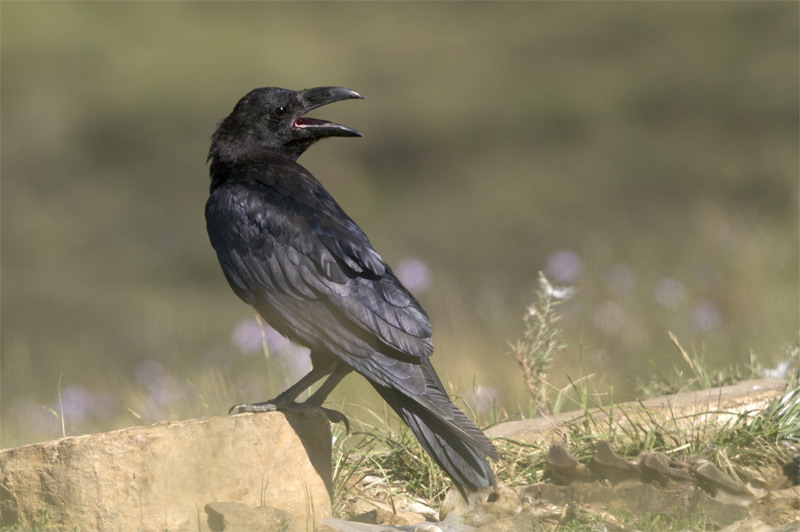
column 279, row 112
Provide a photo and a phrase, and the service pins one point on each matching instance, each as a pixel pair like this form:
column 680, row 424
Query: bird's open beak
column 312, row 127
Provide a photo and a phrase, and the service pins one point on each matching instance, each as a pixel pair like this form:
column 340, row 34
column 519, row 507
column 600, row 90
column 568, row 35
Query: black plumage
column 289, row 250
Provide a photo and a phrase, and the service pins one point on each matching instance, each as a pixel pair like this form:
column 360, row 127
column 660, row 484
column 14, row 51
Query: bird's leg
column 286, row 397
column 318, row 397
column 340, row 372
column 313, row 405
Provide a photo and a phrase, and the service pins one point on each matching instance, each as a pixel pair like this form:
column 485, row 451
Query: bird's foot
column 332, row 415
column 266, row 406
column 295, row 408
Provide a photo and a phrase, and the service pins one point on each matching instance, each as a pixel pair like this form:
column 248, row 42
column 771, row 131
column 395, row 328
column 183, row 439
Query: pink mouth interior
column 305, row 121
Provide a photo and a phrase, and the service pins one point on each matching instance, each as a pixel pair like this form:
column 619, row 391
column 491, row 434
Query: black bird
column 290, row 251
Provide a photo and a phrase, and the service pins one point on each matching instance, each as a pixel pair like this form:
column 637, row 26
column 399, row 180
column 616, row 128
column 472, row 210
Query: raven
column 290, row 251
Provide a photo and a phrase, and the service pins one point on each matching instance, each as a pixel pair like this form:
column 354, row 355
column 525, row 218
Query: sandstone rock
column 756, row 525
column 162, row 476
column 639, row 500
column 379, row 512
column 379, row 516
column 489, row 505
column 720, row 485
column 608, row 465
column 779, row 508
column 237, row 517
column 714, row 406
column 562, row 468
column 516, row 523
column 340, row 525
column 656, row 467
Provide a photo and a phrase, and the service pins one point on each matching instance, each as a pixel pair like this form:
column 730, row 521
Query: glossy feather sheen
column 289, row 250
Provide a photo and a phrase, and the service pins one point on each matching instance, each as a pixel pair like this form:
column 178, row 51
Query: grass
column 672, row 522
column 40, row 523
column 583, row 521
column 752, row 444
column 755, row 444
column 388, row 452
column 541, row 340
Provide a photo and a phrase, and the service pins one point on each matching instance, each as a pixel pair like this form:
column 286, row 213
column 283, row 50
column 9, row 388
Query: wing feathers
column 300, row 259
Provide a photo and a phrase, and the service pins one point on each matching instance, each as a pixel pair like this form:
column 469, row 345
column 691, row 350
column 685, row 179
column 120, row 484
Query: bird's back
column 288, row 249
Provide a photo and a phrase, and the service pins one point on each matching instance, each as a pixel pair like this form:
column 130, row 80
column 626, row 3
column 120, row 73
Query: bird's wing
column 345, row 240
column 322, row 277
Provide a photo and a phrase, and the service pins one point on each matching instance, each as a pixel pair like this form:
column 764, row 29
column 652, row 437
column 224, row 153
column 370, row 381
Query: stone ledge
column 162, row 476
column 711, row 407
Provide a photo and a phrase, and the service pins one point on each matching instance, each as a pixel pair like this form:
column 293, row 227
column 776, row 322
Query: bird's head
column 273, row 119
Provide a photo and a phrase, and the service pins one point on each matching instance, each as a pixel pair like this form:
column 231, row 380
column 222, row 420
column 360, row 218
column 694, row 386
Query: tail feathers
column 447, row 435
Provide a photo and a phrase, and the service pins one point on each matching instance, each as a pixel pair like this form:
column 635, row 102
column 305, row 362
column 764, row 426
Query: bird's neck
column 224, row 169
column 224, row 162
column 220, row 173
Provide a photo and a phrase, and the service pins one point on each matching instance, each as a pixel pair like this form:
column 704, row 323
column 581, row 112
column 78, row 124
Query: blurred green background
column 645, row 153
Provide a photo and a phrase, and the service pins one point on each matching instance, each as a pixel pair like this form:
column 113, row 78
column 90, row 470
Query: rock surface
column 613, row 494
column 608, row 465
column 162, row 476
column 706, row 408
column 237, row 517
column 639, row 500
column 562, row 468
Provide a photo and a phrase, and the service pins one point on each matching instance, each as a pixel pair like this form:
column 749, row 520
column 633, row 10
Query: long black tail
column 445, row 432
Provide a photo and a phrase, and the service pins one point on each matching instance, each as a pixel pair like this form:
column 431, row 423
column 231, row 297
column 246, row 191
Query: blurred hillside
column 646, row 153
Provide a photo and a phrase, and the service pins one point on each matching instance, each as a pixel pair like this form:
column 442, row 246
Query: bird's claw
column 336, row 417
column 295, row 408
